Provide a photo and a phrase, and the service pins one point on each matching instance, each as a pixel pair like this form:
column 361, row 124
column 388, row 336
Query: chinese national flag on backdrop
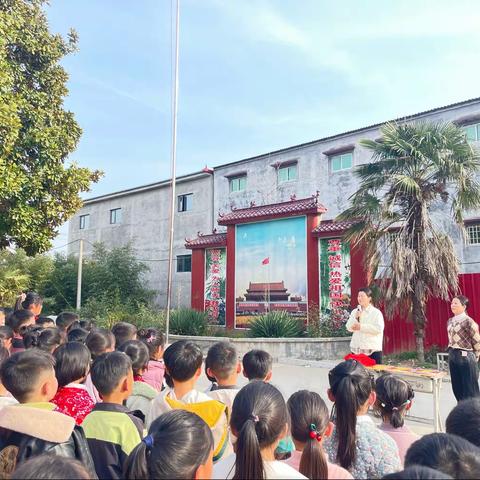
column 266, row 261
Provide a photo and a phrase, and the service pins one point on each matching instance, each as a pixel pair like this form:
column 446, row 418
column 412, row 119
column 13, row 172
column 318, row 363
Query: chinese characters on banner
column 215, row 262
column 334, row 275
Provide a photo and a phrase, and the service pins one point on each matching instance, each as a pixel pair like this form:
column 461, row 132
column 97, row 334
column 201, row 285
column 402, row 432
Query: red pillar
column 230, row 288
column 313, row 281
column 198, row 279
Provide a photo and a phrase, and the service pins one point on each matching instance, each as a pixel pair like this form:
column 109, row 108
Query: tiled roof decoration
column 210, row 240
column 332, row 226
column 287, row 209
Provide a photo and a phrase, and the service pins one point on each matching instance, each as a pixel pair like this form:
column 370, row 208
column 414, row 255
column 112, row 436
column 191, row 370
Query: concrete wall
column 145, row 209
column 280, row 348
column 145, row 223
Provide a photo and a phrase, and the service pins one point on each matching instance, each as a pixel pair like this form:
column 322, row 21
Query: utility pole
column 79, row 275
column 173, row 170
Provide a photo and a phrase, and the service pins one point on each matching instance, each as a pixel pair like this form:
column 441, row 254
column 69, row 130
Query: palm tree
column 415, row 168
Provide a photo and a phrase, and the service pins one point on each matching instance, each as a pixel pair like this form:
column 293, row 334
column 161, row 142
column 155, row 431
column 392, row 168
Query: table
column 424, row 380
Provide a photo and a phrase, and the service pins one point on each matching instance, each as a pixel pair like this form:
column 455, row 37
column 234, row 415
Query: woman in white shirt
column 367, row 324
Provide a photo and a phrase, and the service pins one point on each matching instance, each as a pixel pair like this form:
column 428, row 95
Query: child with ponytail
column 155, row 342
column 259, row 421
column 310, row 425
column 179, row 444
column 356, row 443
column 394, row 399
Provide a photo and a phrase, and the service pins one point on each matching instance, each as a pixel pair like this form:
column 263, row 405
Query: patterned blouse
column 463, row 334
column 376, row 454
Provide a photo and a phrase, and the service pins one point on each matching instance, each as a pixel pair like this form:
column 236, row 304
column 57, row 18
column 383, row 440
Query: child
column 48, row 467
column 123, row 332
column 30, row 301
column 6, row 337
column 310, row 425
column 223, row 366
column 65, row 320
column 142, row 394
column 48, row 339
column 464, row 420
column 98, row 342
column 257, row 365
column 179, row 445
column 183, row 363
column 45, row 322
column 77, row 335
column 155, row 342
column 259, row 420
column 5, row 397
column 356, row 443
column 111, row 430
column 394, row 399
column 19, row 323
column 33, row 427
column 87, row 324
column 72, row 364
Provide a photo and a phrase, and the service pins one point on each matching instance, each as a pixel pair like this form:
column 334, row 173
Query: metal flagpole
column 173, row 170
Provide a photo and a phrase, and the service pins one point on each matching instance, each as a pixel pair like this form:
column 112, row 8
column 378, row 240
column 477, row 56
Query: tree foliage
column 416, row 167
column 38, row 190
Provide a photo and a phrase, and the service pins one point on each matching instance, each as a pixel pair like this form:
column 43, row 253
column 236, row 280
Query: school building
column 259, row 234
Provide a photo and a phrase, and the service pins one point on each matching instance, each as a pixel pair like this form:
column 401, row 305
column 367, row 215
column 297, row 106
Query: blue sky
column 255, row 75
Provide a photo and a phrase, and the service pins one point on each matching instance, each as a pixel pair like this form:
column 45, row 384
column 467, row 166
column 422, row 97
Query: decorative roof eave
column 292, row 208
column 329, row 227
column 207, row 241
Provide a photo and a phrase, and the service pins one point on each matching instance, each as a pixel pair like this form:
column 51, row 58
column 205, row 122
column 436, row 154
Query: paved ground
column 291, row 375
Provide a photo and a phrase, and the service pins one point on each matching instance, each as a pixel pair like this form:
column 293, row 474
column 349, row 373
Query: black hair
column 20, row 372
column 17, row 320
column 222, row 359
column 50, row 467
column 180, row 442
column 153, row 339
column 308, row 413
column 65, row 319
column 77, row 335
column 257, row 364
column 464, row 420
column 72, row 362
column 98, row 341
column 351, row 386
column 417, row 472
column 367, row 291
column 31, row 299
column 138, row 353
column 87, row 324
column 6, row 333
column 4, row 354
column 123, row 332
column 43, row 320
column 394, row 395
column 42, row 338
column 463, row 300
column 448, row 453
column 182, row 359
column 7, row 311
column 259, row 417
column 108, row 370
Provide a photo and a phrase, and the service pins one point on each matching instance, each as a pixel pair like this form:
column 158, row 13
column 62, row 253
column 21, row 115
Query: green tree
column 415, row 168
column 38, row 191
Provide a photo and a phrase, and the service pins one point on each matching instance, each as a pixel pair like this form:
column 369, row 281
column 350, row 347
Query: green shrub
column 276, row 325
column 324, row 325
column 186, row 321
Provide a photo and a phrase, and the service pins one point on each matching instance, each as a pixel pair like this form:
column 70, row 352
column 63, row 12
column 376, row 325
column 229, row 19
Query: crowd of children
column 77, row 401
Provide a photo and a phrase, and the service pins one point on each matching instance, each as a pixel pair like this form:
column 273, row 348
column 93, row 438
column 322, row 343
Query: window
column 116, row 216
column 340, row 162
column 184, row 263
column 84, row 221
column 473, row 234
column 185, row 202
column 472, row 132
column 287, row 173
column 238, row 184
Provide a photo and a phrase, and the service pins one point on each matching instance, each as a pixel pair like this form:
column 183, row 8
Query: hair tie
column 148, row 441
column 151, row 339
column 254, row 418
column 314, row 433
